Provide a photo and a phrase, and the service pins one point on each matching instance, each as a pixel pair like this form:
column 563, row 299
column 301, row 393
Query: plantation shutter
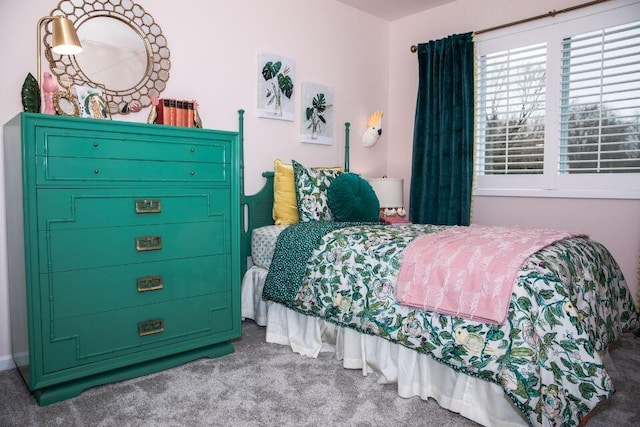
column 600, row 101
column 510, row 111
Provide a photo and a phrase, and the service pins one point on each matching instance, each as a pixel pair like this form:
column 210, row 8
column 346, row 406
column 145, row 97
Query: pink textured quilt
column 468, row 271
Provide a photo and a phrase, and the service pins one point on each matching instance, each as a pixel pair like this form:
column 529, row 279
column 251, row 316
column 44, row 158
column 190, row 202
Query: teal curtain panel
column 442, row 164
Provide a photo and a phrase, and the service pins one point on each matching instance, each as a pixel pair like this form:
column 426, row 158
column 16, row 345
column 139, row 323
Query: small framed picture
column 92, row 102
column 65, row 103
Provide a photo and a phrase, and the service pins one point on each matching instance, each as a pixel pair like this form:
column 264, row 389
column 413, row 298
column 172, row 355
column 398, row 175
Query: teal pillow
column 352, row 198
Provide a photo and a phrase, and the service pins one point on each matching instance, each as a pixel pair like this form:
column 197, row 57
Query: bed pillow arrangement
column 311, row 190
column 351, row 198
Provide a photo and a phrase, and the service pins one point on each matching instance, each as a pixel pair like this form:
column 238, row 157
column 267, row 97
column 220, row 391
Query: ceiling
column 394, row 9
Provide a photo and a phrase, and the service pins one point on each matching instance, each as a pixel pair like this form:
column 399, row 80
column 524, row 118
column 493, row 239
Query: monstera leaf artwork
column 276, row 87
column 30, row 95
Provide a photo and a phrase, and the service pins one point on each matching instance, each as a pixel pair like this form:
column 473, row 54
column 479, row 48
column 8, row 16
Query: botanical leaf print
column 569, row 301
column 311, row 191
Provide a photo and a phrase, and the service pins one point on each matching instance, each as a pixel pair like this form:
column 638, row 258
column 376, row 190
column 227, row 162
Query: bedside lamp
column 390, row 195
column 65, row 39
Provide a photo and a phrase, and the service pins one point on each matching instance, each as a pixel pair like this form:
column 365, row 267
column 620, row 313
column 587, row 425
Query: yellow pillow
column 285, row 204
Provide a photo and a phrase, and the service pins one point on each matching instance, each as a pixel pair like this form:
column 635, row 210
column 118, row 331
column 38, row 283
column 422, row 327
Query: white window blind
column 600, row 119
column 510, row 111
column 558, row 105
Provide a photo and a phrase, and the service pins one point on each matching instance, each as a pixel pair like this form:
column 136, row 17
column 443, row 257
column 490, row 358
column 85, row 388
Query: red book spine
column 174, row 112
column 180, row 119
column 190, row 114
column 163, row 113
column 159, row 113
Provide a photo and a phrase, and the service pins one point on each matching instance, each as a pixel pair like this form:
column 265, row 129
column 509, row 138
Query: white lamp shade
column 389, row 191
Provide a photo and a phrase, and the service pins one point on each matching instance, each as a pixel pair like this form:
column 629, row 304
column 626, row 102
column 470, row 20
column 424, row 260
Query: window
column 558, row 106
column 511, row 88
column 600, row 115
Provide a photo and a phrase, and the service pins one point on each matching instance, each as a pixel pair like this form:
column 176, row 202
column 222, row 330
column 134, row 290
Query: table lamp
column 390, row 195
column 65, row 39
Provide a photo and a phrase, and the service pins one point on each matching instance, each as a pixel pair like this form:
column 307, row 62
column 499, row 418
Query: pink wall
column 615, row 223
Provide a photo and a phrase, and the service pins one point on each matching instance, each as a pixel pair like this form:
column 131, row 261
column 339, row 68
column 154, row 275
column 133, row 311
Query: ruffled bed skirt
column 415, row 374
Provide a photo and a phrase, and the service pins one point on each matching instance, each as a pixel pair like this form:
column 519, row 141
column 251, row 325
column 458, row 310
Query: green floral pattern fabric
column 311, row 191
column 569, row 301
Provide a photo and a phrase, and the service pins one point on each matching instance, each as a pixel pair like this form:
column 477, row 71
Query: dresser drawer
column 63, row 209
column 54, row 142
column 112, row 288
column 60, row 170
column 78, row 248
column 89, row 339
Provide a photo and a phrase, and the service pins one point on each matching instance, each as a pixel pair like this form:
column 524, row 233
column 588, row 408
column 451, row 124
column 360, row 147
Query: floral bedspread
column 569, row 301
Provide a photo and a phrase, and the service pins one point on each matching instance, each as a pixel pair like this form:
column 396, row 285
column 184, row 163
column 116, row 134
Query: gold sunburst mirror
column 124, row 52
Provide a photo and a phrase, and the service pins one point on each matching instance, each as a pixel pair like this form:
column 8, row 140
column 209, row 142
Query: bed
column 322, row 287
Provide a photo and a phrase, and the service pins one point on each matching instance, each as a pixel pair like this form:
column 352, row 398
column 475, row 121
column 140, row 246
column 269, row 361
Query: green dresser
column 123, row 248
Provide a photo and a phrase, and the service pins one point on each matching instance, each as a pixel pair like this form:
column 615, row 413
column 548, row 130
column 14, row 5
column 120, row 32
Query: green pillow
column 311, row 191
column 352, row 198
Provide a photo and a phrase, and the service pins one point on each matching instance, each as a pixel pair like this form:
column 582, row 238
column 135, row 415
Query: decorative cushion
column 352, row 198
column 263, row 243
column 285, row 203
column 311, row 191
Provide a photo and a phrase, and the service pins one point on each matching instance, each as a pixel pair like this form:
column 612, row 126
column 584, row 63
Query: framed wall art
column 317, row 114
column 276, row 79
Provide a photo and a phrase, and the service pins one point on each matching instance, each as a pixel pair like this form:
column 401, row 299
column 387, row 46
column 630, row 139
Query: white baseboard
column 6, row 363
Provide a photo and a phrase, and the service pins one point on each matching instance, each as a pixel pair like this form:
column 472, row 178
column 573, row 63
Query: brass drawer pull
column 150, row 283
column 150, row 327
column 148, row 243
column 148, row 206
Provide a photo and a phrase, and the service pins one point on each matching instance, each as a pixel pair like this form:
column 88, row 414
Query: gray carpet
column 267, row 385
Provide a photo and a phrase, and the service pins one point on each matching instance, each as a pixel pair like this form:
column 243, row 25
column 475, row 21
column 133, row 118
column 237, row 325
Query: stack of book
column 175, row 112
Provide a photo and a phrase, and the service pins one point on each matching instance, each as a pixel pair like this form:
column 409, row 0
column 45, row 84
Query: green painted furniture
column 124, row 248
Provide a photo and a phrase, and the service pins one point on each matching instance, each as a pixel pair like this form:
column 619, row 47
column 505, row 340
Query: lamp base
column 393, row 211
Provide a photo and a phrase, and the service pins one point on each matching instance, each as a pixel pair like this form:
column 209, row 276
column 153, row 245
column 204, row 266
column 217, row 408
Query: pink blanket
column 468, row 271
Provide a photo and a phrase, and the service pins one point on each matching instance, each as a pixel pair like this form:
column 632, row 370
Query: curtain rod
column 551, row 13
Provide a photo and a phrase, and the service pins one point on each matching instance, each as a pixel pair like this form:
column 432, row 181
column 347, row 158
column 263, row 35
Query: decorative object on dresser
column 49, row 88
column 30, row 95
column 66, row 103
column 92, row 102
column 123, row 248
column 125, row 51
column 390, row 193
column 64, row 39
column 175, row 112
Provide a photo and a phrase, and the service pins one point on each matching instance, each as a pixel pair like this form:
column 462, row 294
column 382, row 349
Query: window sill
column 554, row 193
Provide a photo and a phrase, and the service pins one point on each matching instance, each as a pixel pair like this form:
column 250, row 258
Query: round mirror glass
column 113, row 53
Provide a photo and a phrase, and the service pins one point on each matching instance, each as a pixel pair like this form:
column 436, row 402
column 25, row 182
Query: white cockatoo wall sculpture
column 374, row 129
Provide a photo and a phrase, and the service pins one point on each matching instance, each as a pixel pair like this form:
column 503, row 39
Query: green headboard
column 256, row 212
column 256, row 209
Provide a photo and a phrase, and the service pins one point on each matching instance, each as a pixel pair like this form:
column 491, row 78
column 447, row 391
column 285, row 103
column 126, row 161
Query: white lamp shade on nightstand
column 389, row 191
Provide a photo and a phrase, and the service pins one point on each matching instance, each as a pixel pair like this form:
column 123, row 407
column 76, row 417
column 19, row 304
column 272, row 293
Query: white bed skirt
column 416, row 374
